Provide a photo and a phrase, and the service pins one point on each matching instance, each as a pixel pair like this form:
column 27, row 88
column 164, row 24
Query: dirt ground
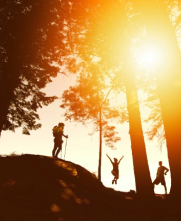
column 40, row 188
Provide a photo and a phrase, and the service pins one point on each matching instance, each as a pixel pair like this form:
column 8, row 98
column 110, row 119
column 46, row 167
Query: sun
column 149, row 56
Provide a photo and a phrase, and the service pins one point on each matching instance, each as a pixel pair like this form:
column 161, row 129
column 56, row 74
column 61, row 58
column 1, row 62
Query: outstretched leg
column 58, row 151
column 59, row 146
column 116, row 177
column 114, row 180
column 53, row 151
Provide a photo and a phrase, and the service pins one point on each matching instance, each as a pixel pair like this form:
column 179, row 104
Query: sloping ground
column 39, row 188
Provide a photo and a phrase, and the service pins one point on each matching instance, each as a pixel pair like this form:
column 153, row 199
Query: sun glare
column 149, row 56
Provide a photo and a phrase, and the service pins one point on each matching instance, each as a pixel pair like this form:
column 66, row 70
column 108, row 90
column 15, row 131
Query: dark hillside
column 39, row 188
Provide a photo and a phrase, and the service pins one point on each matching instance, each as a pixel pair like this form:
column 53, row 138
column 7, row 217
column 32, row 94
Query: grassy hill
column 40, row 188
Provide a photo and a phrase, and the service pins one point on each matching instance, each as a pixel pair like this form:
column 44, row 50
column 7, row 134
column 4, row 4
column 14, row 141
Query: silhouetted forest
column 100, row 42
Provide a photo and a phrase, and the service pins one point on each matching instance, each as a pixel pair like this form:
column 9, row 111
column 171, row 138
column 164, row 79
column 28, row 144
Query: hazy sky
column 82, row 148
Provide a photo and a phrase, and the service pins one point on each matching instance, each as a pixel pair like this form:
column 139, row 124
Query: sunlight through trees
column 112, row 47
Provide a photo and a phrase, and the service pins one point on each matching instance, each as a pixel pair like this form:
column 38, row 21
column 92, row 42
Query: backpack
column 54, row 131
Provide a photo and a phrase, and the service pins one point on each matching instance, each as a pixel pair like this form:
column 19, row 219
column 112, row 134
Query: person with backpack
column 115, row 170
column 58, row 133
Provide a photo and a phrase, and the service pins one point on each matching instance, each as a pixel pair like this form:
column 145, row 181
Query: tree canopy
column 33, row 47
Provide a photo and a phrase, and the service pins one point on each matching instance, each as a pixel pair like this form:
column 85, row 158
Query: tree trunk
column 170, row 107
column 169, row 93
column 159, row 27
column 144, row 187
column 100, row 145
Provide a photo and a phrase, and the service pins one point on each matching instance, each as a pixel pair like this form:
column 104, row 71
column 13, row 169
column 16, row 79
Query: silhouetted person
column 161, row 171
column 58, row 133
column 115, row 170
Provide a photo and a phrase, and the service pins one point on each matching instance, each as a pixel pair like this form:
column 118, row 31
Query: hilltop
column 40, row 188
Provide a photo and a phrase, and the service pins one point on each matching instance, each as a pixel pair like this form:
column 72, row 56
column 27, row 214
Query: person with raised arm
column 115, row 170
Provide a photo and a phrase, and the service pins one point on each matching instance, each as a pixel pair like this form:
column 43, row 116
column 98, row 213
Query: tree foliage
column 108, row 39
column 33, row 46
column 89, row 98
column 27, row 54
column 89, row 102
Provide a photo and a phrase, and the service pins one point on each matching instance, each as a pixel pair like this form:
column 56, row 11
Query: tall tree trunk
column 100, row 144
column 144, row 187
column 169, row 93
column 171, row 118
column 159, row 27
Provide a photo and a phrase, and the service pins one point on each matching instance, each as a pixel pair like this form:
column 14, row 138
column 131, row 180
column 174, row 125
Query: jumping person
column 58, row 133
column 161, row 171
column 115, row 170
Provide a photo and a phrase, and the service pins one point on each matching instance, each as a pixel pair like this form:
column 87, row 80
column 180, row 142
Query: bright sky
column 81, row 148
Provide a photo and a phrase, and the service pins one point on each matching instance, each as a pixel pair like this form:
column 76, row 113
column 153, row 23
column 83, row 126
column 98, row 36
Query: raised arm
column 120, row 159
column 109, row 158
